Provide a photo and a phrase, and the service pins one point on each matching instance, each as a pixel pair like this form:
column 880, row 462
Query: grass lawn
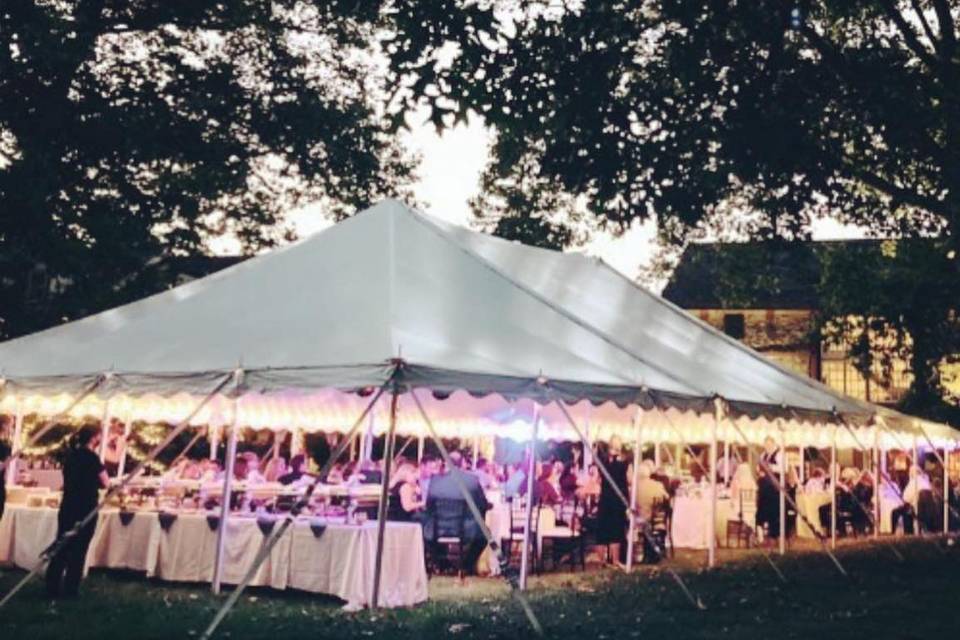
column 919, row 598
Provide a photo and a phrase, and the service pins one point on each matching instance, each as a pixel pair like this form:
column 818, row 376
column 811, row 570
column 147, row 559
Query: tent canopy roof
column 463, row 309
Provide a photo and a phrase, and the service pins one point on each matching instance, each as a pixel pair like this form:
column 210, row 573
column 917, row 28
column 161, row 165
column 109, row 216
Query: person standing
column 612, row 513
column 768, row 492
column 83, row 477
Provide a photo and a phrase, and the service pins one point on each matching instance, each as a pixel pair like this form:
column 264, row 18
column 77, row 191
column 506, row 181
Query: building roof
column 754, row 275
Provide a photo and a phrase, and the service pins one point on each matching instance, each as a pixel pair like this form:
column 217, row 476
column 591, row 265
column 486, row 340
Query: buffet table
column 314, row 555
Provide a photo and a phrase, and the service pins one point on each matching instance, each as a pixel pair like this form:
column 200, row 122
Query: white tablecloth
column 690, row 518
column 339, row 562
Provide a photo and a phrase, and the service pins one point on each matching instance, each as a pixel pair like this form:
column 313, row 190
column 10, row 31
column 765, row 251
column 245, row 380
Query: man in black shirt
column 83, row 477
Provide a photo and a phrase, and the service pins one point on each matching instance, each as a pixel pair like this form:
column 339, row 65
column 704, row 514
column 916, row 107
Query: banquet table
column 691, row 515
column 314, row 555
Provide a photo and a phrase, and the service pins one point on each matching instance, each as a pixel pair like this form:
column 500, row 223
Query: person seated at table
column 544, row 491
column 210, row 471
column 568, row 481
column 334, row 475
column 429, row 467
column 240, row 467
column 863, row 499
column 844, row 503
column 660, row 475
column 190, row 471
column 405, row 504
column 487, row 475
column 115, row 446
column 296, row 471
column 649, row 491
column 254, row 474
column 816, row 483
column 275, row 469
column 447, row 487
column 516, row 482
column 919, row 495
column 368, row 473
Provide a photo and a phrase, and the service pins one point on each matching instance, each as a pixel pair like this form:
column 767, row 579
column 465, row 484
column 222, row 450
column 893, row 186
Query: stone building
column 766, row 294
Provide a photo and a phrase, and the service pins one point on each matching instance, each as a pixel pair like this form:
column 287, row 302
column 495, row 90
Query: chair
column 448, row 518
column 661, row 521
column 518, row 516
column 566, row 537
column 742, row 527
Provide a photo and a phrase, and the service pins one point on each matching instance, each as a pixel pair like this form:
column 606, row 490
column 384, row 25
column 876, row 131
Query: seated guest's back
column 445, row 489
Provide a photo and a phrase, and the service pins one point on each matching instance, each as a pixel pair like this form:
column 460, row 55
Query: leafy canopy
column 137, row 130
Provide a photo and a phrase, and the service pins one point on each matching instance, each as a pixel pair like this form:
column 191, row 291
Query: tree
column 686, row 110
column 137, row 130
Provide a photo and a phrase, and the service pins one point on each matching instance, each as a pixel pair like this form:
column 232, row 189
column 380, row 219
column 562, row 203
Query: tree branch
column 948, row 31
column 909, row 35
column 906, row 196
column 927, row 29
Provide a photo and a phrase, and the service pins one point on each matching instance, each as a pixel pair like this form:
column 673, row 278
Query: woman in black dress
column 612, row 513
column 83, row 477
column 768, row 496
column 404, row 504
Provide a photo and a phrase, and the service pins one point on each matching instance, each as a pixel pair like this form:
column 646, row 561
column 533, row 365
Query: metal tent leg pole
column 782, row 542
column 694, row 600
column 712, row 521
column 50, row 423
column 494, row 545
column 278, row 531
column 726, row 460
column 388, row 446
column 528, row 516
column 225, row 499
column 633, row 486
column 946, row 491
column 59, row 543
column 833, row 490
column 16, row 443
column 877, row 471
column 104, row 430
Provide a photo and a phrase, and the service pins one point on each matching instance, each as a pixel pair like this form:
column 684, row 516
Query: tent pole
column 876, row 483
column 104, row 430
column 388, row 446
column 51, row 422
column 782, row 543
column 420, row 449
column 803, row 470
column 656, row 454
column 833, row 490
column 946, row 491
column 712, row 521
column 214, row 442
column 228, row 465
column 678, row 455
column 15, row 444
column 278, row 531
column 726, row 459
column 638, row 428
column 528, row 516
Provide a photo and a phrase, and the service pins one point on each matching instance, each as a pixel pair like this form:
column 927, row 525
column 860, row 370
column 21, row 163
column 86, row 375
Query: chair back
column 518, row 516
column 747, row 509
column 660, row 514
column 448, row 517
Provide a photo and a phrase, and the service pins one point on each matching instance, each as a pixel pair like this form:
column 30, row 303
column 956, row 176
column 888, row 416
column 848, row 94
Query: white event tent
column 476, row 319
column 502, row 339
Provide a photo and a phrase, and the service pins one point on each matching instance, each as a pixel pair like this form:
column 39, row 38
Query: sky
column 449, row 175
